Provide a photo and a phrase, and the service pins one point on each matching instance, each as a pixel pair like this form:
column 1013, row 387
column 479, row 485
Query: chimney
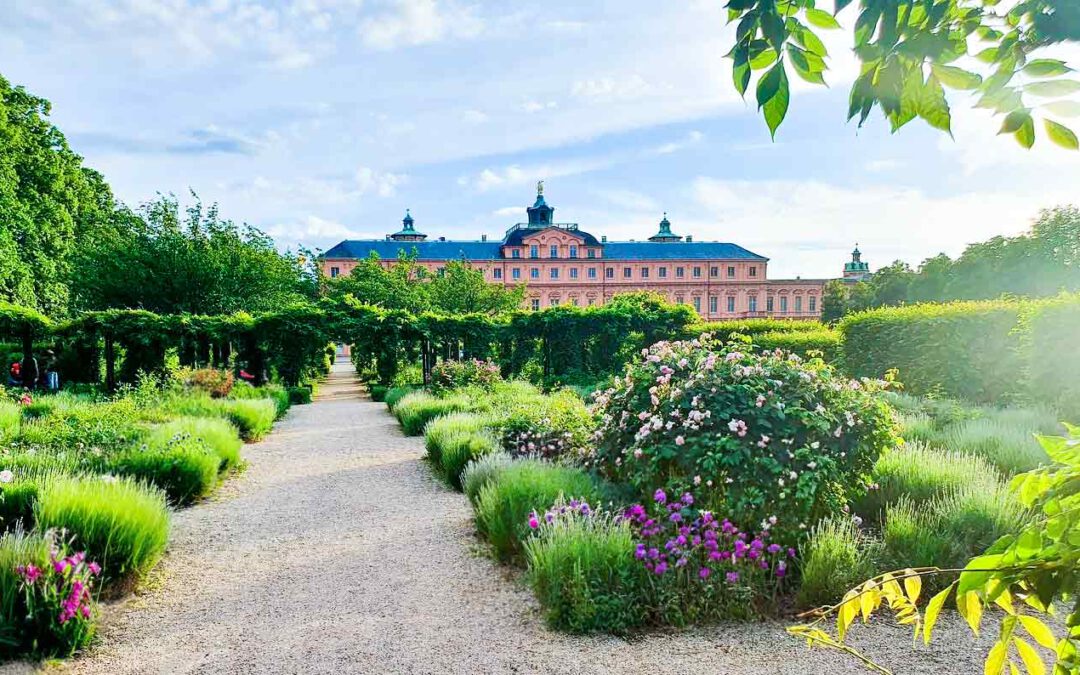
column 689, row 238
column 442, row 238
column 387, row 237
column 483, row 237
column 603, row 239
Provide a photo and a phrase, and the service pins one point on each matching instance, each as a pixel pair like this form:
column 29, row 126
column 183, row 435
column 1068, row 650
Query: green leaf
column 809, row 40
column 1052, row 88
column 1029, row 543
column 970, row 607
column 741, row 70
column 1015, row 120
column 1061, row 135
column 1046, row 68
column 763, row 59
column 1025, row 135
column 995, row 660
column 775, row 105
column 933, row 608
column 866, row 25
column 811, row 72
column 821, row 19
column 933, row 107
column 955, row 78
column 1032, row 661
column 774, row 30
column 1038, row 630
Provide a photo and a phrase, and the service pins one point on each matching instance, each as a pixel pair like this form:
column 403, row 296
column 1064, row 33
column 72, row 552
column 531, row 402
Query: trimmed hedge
column 802, row 342
column 965, row 350
column 723, row 330
column 1051, row 335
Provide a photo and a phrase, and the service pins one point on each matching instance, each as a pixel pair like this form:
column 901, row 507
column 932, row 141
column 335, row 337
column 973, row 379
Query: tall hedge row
column 988, row 352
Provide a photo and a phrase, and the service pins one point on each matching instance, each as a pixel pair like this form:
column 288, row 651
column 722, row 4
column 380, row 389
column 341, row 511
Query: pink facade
column 559, row 264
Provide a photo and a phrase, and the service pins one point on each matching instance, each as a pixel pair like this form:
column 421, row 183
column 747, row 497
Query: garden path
column 338, row 552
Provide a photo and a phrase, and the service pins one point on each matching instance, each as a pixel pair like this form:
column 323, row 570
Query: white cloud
column 382, row 183
column 630, row 200
column 537, row 106
column 474, row 116
column 313, row 229
column 319, row 191
column 880, row 165
column 508, row 211
column 416, row 22
column 515, row 175
column 632, row 86
column 692, row 138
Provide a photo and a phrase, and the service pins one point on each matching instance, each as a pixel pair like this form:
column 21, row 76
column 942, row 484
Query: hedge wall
column 986, row 352
column 802, row 342
column 723, row 330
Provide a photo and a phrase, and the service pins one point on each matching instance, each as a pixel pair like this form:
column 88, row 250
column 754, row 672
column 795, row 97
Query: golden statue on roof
column 540, row 188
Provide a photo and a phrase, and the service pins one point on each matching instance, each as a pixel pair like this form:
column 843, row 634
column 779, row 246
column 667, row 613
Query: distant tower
column 540, row 213
column 408, row 233
column 665, row 233
column 856, row 270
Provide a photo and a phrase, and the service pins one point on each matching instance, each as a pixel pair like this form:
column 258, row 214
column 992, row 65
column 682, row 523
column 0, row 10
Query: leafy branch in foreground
column 1024, row 575
column 909, row 50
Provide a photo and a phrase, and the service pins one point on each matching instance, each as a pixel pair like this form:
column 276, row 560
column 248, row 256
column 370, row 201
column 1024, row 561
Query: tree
column 460, row 289
column 844, row 297
column 909, row 51
column 49, row 203
column 932, row 279
column 890, row 284
column 166, row 262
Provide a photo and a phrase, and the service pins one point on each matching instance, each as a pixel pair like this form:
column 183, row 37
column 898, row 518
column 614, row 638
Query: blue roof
column 489, row 250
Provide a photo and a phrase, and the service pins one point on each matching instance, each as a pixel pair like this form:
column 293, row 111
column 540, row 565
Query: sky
column 323, row 120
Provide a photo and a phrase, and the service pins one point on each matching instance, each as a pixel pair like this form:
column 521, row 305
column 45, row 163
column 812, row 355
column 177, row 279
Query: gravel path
column 337, row 552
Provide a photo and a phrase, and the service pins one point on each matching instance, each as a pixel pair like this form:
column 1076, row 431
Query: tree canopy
column 911, row 51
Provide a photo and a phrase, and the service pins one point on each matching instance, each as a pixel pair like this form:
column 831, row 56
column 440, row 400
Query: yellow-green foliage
column 418, row 408
column 919, row 473
column 835, row 557
column 823, row 342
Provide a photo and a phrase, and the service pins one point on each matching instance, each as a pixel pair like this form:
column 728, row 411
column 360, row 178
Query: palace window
column 798, row 303
column 536, row 304
column 592, row 253
column 574, row 302
column 644, row 272
column 662, row 272
column 515, row 253
column 678, row 273
column 534, row 273
column 497, row 273
column 592, row 272
column 573, row 251
column 441, row 271
column 731, row 303
column 554, row 272
column 752, row 300
column 783, row 304
column 731, row 271
column 813, row 303
column 515, row 273
column 554, row 302
column 753, row 271
column 769, row 304
column 591, row 301
column 334, row 271
column 714, row 271
column 553, row 251
column 697, row 305
column 678, row 299
column 712, row 305
column 627, row 272
column 573, row 273
column 609, row 272
column 697, row 272
column 534, row 251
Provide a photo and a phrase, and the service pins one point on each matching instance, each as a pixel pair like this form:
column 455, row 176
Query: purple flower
column 640, row 552
column 732, row 577
column 533, row 522
column 660, row 568
column 704, row 573
column 687, row 499
column 774, row 548
column 659, row 497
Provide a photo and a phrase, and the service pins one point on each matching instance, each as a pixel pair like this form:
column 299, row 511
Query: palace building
column 562, row 264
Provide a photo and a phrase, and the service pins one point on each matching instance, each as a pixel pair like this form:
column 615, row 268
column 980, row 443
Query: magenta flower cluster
column 66, row 581
column 561, row 509
column 673, row 536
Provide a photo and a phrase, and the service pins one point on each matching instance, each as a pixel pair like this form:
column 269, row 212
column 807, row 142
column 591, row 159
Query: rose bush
column 760, row 435
column 452, row 374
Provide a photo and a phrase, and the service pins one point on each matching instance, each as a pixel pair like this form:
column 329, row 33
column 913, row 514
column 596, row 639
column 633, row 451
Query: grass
column 395, row 394
column 504, row 504
column 10, row 419
column 1005, row 438
column 17, row 503
column 185, row 469
column 253, row 417
column 416, row 409
column 17, row 548
column 378, row 392
column 919, row 427
column 837, row 556
column 219, row 436
column 920, row 473
column 120, row 523
column 481, row 471
column 454, row 440
column 584, row 574
column 274, row 392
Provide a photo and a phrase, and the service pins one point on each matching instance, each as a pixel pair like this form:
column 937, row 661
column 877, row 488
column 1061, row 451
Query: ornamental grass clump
column 919, row 473
column 584, row 576
column 756, row 435
column 218, row 435
column 395, row 394
column 416, row 409
column 835, row 557
column 254, row 418
column 442, row 431
column 182, row 466
column 10, row 419
column 505, row 505
column 481, row 471
column 121, row 523
column 1005, row 438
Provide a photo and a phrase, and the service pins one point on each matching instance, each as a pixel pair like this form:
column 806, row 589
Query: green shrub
column 120, row 523
column 823, row 342
column 753, row 435
column 534, row 424
column 451, row 374
column 724, row 330
column 299, row 395
column 481, row 471
column 1005, row 438
column 274, row 392
column 10, row 419
column 416, row 409
column 1054, row 371
column 966, row 350
column 395, row 394
column 378, row 392
column 585, row 576
column 464, row 449
column 218, row 435
column 253, row 418
column 920, row 473
column 919, row 428
column 504, row 504
column 184, row 467
column 453, row 440
column 80, row 424
column 836, row 557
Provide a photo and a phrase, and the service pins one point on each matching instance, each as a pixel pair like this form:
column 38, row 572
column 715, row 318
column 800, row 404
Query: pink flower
column 679, row 440
column 533, row 521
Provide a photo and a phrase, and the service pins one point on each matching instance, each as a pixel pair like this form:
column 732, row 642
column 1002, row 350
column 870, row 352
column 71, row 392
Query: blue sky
column 319, row 120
